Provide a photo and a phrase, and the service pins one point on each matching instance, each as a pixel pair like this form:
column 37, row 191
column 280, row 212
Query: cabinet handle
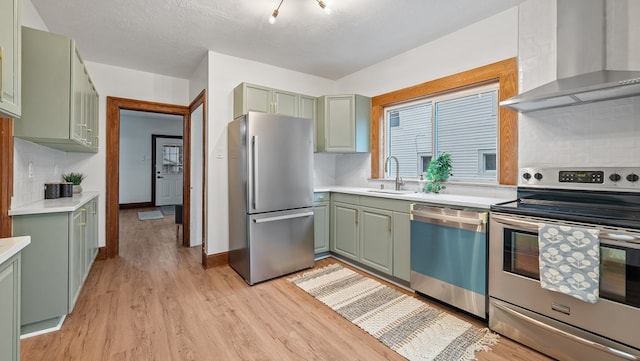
column 356, row 216
column 1, row 72
column 84, row 217
column 389, row 223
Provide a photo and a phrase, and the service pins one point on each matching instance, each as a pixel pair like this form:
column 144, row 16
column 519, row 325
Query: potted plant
column 439, row 171
column 76, row 179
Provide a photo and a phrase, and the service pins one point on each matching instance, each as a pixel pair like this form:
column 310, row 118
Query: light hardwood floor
column 156, row 302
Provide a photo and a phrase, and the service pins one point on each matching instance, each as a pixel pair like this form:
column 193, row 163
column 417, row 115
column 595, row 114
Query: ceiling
column 171, row 36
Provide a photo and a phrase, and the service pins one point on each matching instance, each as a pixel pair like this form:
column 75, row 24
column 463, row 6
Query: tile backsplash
column 34, row 165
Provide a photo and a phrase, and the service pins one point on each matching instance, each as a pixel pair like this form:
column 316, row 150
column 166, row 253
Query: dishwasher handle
column 449, row 216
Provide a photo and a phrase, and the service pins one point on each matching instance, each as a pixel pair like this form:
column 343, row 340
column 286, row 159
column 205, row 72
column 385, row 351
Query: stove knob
column 526, row 176
column 632, row 177
column 615, row 177
column 537, row 176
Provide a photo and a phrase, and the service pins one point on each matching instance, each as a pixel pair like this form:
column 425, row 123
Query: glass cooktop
column 620, row 209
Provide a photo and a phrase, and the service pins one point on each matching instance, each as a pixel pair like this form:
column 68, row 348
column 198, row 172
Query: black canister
column 66, row 189
column 51, row 190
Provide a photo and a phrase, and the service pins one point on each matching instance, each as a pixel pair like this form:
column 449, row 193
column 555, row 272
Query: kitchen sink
column 389, row 191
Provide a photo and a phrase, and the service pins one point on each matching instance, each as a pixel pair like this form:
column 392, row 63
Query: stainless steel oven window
column 521, row 253
column 619, row 266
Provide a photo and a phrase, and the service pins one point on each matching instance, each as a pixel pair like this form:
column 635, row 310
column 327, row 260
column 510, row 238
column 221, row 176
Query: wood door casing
column 114, row 105
column 6, row 175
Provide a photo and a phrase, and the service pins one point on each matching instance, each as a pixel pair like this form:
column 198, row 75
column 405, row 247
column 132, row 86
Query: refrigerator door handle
column 281, row 218
column 254, row 171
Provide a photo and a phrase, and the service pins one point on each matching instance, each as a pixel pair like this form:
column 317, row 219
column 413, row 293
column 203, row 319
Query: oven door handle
column 606, row 237
column 524, row 225
column 598, row 346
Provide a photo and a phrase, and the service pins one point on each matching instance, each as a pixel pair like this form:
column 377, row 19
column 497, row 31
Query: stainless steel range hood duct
column 582, row 77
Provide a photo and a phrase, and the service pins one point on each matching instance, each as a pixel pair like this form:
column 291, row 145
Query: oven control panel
column 605, row 178
column 573, row 176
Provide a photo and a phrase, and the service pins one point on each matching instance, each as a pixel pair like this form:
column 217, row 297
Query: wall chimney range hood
column 582, row 77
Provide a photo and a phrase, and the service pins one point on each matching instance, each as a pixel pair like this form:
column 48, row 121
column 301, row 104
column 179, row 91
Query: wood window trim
column 505, row 72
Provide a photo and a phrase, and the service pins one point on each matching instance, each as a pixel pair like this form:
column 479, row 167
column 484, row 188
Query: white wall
column 603, row 134
column 485, row 42
column 135, row 152
column 225, row 73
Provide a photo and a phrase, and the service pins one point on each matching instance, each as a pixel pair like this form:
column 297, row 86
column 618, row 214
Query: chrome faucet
column 399, row 181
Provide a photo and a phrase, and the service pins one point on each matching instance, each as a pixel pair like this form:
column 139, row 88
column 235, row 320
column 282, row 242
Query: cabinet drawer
column 345, row 198
column 385, row 203
column 321, row 196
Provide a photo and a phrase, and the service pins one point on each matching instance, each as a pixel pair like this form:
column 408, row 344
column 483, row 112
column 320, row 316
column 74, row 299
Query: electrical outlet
column 30, row 169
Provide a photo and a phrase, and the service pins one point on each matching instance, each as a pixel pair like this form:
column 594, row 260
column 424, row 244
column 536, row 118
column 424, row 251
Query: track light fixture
column 276, row 11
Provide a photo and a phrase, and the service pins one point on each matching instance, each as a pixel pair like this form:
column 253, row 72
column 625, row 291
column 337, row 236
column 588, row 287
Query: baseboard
column 135, row 205
column 215, row 260
column 102, row 254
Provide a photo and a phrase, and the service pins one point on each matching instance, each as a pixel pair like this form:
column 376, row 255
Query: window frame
column 505, row 72
column 454, row 94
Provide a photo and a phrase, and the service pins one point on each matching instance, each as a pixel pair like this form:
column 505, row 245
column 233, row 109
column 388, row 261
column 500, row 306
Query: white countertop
column 428, row 198
column 66, row 204
column 10, row 246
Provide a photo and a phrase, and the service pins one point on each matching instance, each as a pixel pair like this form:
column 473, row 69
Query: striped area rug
column 403, row 323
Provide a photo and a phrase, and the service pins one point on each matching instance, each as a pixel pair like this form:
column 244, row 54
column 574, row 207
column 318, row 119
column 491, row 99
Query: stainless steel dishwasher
column 449, row 256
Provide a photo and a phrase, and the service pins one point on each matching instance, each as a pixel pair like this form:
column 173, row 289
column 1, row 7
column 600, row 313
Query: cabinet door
column 257, row 99
column 376, row 239
column 45, row 266
column 321, row 226
column 307, row 109
column 344, row 218
column 91, row 236
column 10, row 55
column 76, row 254
column 9, row 310
column 402, row 245
column 339, row 124
column 78, row 125
column 285, row 103
column 93, row 117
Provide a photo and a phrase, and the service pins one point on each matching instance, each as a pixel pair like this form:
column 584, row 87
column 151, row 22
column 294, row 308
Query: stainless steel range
column 603, row 200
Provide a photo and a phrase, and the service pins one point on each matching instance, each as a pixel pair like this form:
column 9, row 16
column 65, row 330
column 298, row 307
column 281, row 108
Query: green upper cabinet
column 256, row 98
column 307, row 109
column 343, row 123
column 60, row 102
column 10, row 52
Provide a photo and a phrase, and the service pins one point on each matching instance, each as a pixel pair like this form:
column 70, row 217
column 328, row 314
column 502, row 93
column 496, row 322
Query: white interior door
column 197, row 171
column 169, row 171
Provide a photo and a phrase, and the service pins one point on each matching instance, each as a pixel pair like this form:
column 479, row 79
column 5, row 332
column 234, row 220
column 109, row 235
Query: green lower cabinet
column 376, row 239
column 10, row 309
column 401, row 245
column 45, row 271
column 321, row 227
column 344, row 221
column 373, row 231
column 55, row 264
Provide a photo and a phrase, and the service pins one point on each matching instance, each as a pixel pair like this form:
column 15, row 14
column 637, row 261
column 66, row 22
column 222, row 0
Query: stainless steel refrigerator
column 270, row 195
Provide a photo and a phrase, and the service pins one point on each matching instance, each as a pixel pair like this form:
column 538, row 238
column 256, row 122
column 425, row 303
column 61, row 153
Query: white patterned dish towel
column 570, row 260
